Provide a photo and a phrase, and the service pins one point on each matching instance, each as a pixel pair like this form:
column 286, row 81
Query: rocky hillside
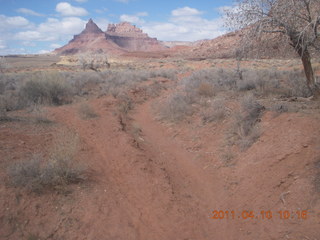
column 226, row 46
column 132, row 38
column 118, row 39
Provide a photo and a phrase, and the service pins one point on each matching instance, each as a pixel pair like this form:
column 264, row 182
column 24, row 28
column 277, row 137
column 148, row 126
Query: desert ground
column 158, row 148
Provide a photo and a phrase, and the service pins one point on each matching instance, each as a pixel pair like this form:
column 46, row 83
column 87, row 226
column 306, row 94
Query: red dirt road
column 148, row 185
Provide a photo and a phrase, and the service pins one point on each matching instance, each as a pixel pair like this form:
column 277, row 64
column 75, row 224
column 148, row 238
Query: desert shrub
column 316, row 180
column 14, row 101
column 176, row 108
column 297, row 84
column 246, row 85
column 3, row 64
column 47, row 88
column 39, row 174
column 87, row 112
column 206, row 83
column 206, row 90
column 3, row 110
column 226, row 79
column 93, row 62
column 39, row 114
column 165, row 73
column 227, row 158
column 115, row 82
column 2, row 86
column 279, row 108
column 25, row 173
column 215, row 112
column 84, row 82
column 245, row 130
column 264, row 81
column 154, row 89
column 125, row 104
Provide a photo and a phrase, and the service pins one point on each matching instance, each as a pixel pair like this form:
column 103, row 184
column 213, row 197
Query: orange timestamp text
column 263, row 215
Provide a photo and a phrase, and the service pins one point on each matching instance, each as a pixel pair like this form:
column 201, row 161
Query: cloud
column 142, row 14
column 102, row 10
column 13, row 22
column 122, row 1
column 3, row 44
column 185, row 24
column 66, row 9
column 131, row 18
column 185, row 11
column 29, row 12
column 53, row 30
column 55, row 45
column 44, row 51
column 9, row 50
column 136, row 18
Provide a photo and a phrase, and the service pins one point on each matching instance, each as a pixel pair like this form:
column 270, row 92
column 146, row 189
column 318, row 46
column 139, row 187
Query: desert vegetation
column 40, row 174
column 124, row 125
column 297, row 20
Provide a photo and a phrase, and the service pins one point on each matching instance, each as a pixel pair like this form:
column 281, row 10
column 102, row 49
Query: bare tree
column 297, row 20
column 93, row 61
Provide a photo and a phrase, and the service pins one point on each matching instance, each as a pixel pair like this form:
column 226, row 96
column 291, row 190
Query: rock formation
column 92, row 39
column 118, row 39
column 132, row 38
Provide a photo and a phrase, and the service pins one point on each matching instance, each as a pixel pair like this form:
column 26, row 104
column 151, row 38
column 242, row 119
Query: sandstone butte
column 118, row 39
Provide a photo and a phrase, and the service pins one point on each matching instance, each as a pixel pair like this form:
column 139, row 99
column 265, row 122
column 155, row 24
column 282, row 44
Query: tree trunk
column 308, row 70
column 307, row 66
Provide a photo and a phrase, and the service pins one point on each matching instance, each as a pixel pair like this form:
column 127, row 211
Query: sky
column 40, row 26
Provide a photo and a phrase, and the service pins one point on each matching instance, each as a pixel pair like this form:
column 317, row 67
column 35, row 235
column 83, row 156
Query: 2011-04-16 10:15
column 282, row 214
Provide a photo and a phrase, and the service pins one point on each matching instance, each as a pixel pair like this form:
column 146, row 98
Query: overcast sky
column 39, row 26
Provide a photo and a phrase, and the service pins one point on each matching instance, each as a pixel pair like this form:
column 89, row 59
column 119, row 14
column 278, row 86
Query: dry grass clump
column 39, row 114
column 86, row 111
column 60, row 169
column 206, row 90
column 316, row 180
column 47, row 88
column 206, row 83
column 263, row 81
column 84, row 83
column 165, row 73
column 279, row 108
column 3, row 110
column 125, row 104
column 245, row 130
column 2, row 86
column 176, row 108
column 274, row 82
column 217, row 111
column 297, row 86
column 228, row 158
column 3, row 64
column 117, row 82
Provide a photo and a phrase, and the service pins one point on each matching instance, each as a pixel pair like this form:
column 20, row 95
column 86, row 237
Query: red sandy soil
column 163, row 182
